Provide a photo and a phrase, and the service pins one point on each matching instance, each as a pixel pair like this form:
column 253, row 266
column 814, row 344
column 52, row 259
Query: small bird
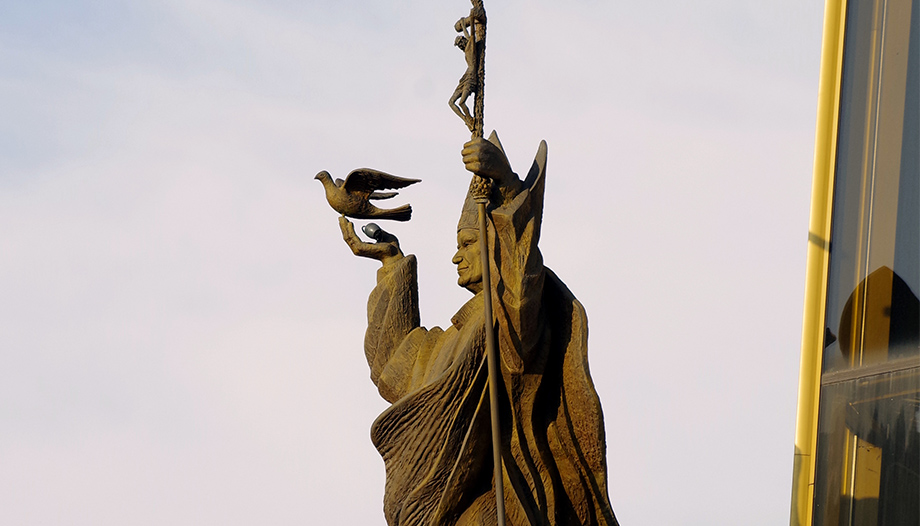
column 350, row 197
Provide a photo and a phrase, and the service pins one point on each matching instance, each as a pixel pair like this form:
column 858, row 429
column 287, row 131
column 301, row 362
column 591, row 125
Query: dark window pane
column 873, row 279
column 868, row 464
column 868, row 451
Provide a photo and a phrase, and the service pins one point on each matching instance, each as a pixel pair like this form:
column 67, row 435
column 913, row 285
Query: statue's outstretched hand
column 386, row 249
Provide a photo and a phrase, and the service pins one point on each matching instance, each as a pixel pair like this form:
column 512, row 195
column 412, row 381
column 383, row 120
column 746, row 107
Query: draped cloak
column 435, row 437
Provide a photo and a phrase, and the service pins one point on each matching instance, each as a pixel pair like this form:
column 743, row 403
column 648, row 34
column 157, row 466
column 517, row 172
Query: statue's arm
column 461, row 25
column 394, row 336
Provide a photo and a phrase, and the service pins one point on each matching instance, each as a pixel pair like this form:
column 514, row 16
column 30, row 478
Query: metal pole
column 492, row 358
column 479, row 42
column 482, row 189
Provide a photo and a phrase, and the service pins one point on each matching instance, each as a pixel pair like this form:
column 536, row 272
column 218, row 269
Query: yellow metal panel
column 819, row 231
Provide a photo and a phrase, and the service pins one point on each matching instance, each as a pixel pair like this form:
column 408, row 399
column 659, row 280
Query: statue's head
column 461, row 42
column 468, row 260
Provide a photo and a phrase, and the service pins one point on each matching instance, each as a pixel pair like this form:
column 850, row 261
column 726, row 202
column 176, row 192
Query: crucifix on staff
column 473, row 43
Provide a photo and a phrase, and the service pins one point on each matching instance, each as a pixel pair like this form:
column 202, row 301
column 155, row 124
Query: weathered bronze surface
column 440, row 436
column 435, row 437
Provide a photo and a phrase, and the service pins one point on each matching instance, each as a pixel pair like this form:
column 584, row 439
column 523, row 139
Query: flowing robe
column 435, row 437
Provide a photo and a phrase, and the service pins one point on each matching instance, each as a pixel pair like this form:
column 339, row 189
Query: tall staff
column 473, row 43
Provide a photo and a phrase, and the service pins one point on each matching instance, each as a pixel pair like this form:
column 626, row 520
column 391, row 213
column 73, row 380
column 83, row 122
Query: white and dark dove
column 352, row 196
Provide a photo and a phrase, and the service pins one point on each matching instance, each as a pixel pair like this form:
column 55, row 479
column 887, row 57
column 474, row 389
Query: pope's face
column 467, row 259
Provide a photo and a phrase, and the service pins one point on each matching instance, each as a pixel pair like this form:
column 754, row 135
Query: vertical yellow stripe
column 819, row 231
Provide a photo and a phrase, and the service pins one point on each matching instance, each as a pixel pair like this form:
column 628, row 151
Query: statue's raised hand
column 386, row 249
column 486, row 159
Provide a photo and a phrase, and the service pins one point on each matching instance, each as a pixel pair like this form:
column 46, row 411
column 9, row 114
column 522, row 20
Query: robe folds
column 435, row 438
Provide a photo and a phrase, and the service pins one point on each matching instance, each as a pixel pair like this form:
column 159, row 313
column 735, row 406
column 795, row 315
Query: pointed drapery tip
column 493, row 138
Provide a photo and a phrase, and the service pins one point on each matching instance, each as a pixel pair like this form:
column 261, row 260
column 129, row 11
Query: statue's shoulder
column 559, row 300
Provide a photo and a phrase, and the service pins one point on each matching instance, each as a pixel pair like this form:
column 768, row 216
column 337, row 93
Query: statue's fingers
column 348, row 229
column 471, row 155
column 472, row 147
column 344, row 223
column 349, row 235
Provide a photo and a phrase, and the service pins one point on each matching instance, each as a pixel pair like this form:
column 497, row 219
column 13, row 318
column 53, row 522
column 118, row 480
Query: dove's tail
column 403, row 213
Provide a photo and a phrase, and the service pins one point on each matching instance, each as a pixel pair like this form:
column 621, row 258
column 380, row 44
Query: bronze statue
column 434, row 438
column 451, row 443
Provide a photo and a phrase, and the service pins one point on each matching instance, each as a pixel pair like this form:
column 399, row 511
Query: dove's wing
column 383, row 195
column 339, row 182
column 366, row 180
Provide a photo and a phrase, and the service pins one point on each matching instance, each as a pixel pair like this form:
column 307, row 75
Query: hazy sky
column 181, row 324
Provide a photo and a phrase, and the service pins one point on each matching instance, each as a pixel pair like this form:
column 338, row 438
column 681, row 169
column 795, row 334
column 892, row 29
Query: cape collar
column 469, row 309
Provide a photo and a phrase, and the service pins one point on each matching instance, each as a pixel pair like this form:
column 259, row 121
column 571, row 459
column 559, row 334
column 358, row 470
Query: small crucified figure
column 469, row 82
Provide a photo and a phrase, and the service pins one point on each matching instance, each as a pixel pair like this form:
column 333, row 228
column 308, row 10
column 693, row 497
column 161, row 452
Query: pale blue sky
column 181, row 324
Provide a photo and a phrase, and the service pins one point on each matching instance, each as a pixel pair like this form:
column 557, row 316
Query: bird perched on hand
column 351, row 196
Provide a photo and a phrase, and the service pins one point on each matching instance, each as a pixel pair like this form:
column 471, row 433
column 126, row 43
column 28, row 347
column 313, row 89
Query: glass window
column 868, row 456
column 868, row 451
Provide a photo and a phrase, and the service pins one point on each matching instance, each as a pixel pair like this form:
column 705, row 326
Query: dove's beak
column 321, row 174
